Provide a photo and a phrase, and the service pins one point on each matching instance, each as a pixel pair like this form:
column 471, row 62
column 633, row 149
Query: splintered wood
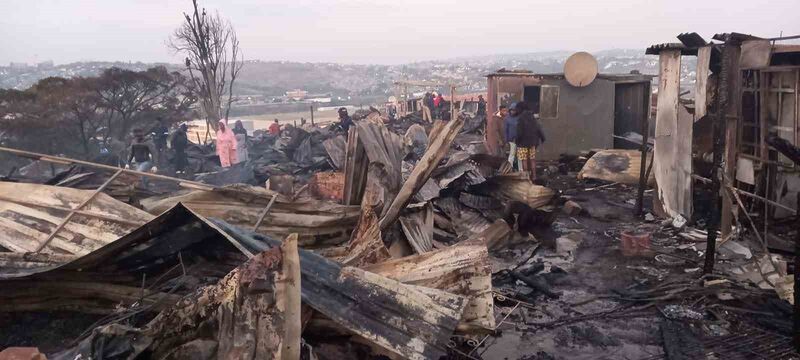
column 256, row 309
column 672, row 167
column 462, row 270
column 404, row 320
column 366, row 245
column 441, row 141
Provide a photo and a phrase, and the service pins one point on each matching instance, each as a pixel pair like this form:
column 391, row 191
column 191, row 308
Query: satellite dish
column 580, row 69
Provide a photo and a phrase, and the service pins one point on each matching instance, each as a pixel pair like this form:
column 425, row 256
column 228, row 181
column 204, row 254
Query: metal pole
column 312, row 115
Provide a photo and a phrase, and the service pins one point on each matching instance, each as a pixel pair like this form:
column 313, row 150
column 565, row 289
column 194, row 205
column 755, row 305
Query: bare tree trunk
column 212, row 51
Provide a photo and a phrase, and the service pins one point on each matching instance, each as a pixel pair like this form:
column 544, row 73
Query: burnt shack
column 746, row 92
column 576, row 119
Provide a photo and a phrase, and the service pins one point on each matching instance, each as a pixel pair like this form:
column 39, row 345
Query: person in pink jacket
column 226, row 145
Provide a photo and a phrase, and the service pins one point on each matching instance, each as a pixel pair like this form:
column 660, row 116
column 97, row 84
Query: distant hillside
column 274, row 78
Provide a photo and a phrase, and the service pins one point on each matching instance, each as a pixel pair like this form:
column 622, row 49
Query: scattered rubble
column 397, row 239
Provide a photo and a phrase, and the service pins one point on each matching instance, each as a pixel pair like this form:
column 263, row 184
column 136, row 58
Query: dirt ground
column 538, row 329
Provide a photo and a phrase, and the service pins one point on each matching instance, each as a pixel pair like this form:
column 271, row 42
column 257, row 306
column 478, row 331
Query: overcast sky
column 375, row 31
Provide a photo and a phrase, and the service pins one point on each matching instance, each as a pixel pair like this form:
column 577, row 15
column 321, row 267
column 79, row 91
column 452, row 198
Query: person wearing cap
column 180, row 140
column 495, row 136
column 345, row 121
column 529, row 136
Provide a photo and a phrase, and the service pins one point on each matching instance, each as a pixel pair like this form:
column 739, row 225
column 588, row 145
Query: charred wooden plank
column 422, row 171
column 366, row 246
column 404, row 320
column 462, row 270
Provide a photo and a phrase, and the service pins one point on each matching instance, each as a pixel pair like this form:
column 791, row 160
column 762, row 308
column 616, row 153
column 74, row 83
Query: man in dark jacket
column 141, row 155
column 160, row 135
column 481, row 106
column 529, row 136
column 180, row 140
column 345, row 121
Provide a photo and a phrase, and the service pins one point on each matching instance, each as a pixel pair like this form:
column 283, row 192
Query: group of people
column 231, row 143
column 143, row 155
column 515, row 129
column 433, row 107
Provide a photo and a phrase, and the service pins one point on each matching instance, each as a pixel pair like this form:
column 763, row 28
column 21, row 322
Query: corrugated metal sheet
column 29, row 213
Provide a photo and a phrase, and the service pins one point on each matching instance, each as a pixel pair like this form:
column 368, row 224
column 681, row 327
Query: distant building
column 296, row 94
column 45, row 65
column 18, row 66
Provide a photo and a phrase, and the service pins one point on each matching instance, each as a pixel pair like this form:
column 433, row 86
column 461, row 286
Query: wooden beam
column 701, row 84
column 264, row 213
column 422, row 171
column 68, row 161
column 732, row 111
column 72, row 212
column 672, row 154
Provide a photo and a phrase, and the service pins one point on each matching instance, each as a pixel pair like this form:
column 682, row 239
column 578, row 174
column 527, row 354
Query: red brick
column 327, row 185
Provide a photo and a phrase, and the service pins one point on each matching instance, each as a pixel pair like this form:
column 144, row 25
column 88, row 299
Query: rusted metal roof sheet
column 658, row 48
column 29, row 213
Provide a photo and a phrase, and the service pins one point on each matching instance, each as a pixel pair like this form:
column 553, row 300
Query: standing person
column 240, row 133
column 141, row 155
column 437, row 105
column 529, row 136
column 392, row 112
column 427, row 107
column 180, row 140
column 495, row 135
column 226, row 145
column 345, row 121
column 275, row 128
column 510, row 123
column 481, row 105
column 160, row 135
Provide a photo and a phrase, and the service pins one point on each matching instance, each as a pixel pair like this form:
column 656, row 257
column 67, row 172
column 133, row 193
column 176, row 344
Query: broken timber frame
column 422, row 171
column 724, row 131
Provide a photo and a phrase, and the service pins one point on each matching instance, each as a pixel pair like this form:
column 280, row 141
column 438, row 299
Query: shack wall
column 585, row 119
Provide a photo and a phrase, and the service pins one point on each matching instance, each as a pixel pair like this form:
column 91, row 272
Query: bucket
column 635, row 243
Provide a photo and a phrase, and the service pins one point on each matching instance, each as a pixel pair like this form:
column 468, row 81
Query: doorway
column 531, row 98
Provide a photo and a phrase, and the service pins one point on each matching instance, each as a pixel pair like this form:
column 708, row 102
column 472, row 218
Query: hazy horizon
column 377, row 32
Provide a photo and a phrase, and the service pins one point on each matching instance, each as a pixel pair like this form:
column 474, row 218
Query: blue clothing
column 511, row 128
